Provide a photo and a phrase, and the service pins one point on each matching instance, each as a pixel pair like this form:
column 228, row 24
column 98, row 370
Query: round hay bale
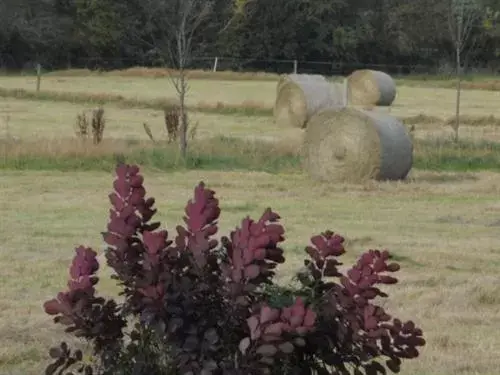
column 352, row 145
column 338, row 94
column 296, row 77
column 371, row 87
column 299, row 98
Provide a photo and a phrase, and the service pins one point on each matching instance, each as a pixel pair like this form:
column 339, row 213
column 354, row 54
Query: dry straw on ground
column 300, row 96
column 66, row 147
column 371, row 87
column 163, row 72
column 352, row 145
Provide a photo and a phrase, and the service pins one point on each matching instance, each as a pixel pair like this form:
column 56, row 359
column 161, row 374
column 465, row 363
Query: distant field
column 441, row 226
column 54, row 115
column 432, row 101
column 35, row 119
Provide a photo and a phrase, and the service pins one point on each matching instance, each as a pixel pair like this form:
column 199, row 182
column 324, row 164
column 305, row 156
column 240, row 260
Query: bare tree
column 463, row 17
column 171, row 26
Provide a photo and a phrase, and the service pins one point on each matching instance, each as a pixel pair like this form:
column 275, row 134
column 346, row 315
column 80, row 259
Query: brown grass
column 30, row 119
column 489, row 85
column 226, row 96
column 480, row 84
column 69, row 147
column 74, row 147
column 447, row 250
column 33, row 119
column 421, row 118
column 161, row 73
column 157, row 103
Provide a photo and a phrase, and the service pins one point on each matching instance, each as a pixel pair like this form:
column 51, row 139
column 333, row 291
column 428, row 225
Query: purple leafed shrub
column 193, row 305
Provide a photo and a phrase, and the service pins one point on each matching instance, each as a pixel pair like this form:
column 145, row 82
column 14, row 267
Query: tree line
column 114, row 34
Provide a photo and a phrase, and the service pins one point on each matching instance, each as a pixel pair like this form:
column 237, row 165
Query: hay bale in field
column 338, row 94
column 371, row 87
column 296, row 77
column 352, row 145
column 299, row 97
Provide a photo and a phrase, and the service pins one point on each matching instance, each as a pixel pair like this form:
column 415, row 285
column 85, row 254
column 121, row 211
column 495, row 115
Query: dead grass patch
column 480, row 84
column 247, row 107
column 68, row 147
column 163, row 72
column 30, row 119
column 231, row 97
column 493, row 85
column 421, row 118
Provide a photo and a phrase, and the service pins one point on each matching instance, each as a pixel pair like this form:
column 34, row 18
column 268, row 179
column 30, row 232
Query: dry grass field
column 441, row 226
column 37, row 118
column 410, row 101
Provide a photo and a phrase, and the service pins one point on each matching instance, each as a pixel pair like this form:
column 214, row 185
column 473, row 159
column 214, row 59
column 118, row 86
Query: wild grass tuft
column 222, row 153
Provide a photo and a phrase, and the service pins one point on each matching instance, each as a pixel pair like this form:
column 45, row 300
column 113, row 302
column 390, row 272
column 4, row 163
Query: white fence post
column 295, row 66
column 216, row 62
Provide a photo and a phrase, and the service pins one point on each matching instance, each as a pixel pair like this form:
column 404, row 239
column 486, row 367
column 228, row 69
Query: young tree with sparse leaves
column 463, row 17
column 169, row 31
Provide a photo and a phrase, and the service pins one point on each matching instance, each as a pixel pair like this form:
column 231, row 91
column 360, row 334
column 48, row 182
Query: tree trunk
column 459, row 87
column 183, row 118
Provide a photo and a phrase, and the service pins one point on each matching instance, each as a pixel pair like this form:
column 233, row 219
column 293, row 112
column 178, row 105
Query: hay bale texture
column 371, row 87
column 300, row 96
column 296, row 77
column 353, row 145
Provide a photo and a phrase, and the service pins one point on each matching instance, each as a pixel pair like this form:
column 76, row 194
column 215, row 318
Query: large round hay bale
column 352, row 145
column 296, row 77
column 371, row 87
column 298, row 98
column 338, row 94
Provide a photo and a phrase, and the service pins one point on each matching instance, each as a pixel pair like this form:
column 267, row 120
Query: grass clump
column 96, row 124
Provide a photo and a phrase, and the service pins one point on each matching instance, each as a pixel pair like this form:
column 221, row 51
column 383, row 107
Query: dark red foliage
column 369, row 327
column 84, row 314
column 252, row 254
column 269, row 324
column 204, row 305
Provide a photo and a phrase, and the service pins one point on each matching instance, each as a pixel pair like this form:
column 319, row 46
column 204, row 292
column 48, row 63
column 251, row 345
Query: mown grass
column 448, row 249
column 56, row 188
column 470, row 81
column 249, row 98
column 246, row 108
column 225, row 154
column 162, row 72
